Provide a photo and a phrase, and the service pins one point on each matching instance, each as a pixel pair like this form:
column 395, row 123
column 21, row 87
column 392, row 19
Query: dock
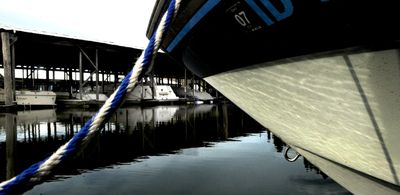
column 73, row 67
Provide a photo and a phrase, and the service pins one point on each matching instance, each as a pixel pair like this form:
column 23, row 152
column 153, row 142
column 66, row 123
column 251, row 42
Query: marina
column 238, row 97
column 83, row 73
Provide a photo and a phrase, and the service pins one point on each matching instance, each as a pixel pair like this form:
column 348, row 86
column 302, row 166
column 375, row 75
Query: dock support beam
column 13, row 39
column 8, row 88
column 70, row 82
column 80, row 75
column 103, row 81
column 33, row 76
column 47, row 78
column 54, row 76
column 115, row 80
column 97, row 74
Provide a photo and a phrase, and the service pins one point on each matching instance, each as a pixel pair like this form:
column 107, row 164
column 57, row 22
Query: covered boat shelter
column 50, row 61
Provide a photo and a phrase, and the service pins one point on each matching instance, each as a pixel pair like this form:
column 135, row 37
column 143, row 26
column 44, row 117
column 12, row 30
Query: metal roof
column 42, row 48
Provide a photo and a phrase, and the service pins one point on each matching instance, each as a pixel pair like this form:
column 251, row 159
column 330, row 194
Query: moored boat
column 145, row 93
column 91, row 97
column 31, row 98
column 35, row 98
column 195, row 95
column 326, row 68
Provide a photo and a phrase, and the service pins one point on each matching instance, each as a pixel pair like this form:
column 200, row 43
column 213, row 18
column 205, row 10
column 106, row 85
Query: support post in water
column 6, row 51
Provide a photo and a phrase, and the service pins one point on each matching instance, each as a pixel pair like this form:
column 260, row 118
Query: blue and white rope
column 37, row 172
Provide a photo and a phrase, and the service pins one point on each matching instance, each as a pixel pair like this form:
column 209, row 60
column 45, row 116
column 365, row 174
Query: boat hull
column 36, row 98
column 352, row 180
column 344, row 108
column 144, row 92
column 33, row 98
column 214, row 36
column 324, row 75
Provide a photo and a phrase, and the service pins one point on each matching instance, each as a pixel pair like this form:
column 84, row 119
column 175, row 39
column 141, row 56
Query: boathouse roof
column 43, row 48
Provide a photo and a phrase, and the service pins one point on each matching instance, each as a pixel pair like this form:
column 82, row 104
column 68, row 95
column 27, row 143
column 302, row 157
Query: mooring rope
column 37, row 172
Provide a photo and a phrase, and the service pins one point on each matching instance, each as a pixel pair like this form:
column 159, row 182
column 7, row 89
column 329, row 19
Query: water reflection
column 10, row 143
column 132, row 134
column 141, row 131
column 279, row 146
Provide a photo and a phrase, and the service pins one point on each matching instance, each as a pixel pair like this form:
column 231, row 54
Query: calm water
column 203, row 149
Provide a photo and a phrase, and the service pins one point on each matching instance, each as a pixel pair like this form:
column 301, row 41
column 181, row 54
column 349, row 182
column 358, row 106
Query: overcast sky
column 123, row 22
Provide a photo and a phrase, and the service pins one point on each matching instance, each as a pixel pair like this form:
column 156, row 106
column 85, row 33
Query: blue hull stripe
column 207, row 7
column 260, row 13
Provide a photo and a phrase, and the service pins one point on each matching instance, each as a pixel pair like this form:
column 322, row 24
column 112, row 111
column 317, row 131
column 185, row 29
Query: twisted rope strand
column 39, row 170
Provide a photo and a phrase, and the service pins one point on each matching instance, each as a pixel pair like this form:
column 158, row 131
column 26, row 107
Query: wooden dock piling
column 8, row 76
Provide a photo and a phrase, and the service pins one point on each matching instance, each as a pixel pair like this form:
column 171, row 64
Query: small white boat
column 35, row 98
column 89, row 94
column 162, row 93
column 198, row 96
column 32, row 98
column 91, row 97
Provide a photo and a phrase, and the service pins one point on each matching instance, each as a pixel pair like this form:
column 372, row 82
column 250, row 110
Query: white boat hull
column 162, row 93
column 33, row 98
column 91, row 97
column 343, row 108
column 354, row 181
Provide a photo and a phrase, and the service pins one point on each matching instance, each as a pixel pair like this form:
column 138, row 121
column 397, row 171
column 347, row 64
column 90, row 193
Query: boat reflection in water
column 170, row 149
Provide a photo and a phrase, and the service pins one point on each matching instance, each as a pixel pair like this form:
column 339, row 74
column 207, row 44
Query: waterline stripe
column 207, row 7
